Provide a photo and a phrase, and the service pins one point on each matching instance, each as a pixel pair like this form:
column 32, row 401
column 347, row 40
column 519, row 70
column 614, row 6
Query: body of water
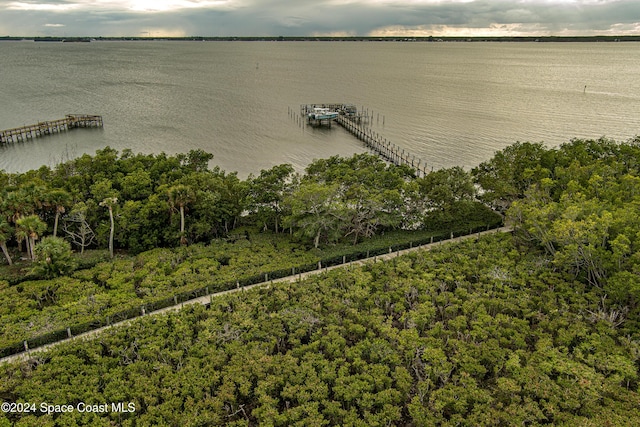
column 447, row 103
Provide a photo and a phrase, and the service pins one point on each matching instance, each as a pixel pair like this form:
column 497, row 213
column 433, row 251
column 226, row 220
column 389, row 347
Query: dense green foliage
column 39, row 311
column 53, row 258
column 578, row 206
column 473, row 334
column 141, row 202
column 124, row 202
column 36, row 307
column 541, row 326
column 138, row 203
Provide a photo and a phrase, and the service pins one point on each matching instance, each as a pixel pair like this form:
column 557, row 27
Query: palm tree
column 53, row 257
column 110, row 202
column 5, row 234
column 30, row 227
column 33, row 194
column 16, row 206
column 179, row 196
column 58, row 199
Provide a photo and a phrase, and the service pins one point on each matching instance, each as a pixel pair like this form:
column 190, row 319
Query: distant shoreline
column 428, row 39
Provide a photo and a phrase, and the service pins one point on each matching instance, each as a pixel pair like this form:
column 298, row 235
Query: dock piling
column 357, row 123
column 71, row 121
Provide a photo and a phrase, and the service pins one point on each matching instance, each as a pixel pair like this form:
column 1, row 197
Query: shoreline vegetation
column 537, row 326
column 150, row 231
column 528, row 39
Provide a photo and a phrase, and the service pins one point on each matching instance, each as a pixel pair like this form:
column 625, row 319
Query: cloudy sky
column 158, row 18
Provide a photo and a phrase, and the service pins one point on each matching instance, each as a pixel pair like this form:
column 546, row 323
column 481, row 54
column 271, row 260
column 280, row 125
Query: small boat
column 320, row 113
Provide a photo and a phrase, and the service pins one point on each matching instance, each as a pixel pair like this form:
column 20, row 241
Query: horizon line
column 320, row 37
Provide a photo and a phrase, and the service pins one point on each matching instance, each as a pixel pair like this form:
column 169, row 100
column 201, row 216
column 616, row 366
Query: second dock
column 71, row 121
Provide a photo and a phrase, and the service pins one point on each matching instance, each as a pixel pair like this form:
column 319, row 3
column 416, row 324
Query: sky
column 403, row 18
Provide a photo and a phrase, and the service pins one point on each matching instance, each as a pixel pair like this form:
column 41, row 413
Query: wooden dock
column 71, row 121
column 357, row 124
column 385, row 149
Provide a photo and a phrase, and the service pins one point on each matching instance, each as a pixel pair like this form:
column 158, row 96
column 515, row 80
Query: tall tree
column 5, row 234
column 76, row 226
column 33, row 195
column 15, row 205
column 509, row 173
column 369, row 209
column 444, row 187
column 268, row 190
column 180, row 196
column 58, row 199
column 317, row 211
column 30, row 227
column 196, row 160
column 110, row 203
column 136, row 185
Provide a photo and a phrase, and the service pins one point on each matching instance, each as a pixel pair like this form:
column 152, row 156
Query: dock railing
column 356, row 122
column 70, row 121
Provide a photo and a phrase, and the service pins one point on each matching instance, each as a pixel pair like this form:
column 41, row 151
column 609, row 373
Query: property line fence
column 213, row 287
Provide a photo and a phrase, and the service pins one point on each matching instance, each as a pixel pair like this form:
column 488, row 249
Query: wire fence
column 212, row 288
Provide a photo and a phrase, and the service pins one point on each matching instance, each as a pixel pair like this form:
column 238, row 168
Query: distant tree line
column 564, row 39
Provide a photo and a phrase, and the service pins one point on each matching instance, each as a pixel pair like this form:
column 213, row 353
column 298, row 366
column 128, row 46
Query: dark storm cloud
column 294, row 17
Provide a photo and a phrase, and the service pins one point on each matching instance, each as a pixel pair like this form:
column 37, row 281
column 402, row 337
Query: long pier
column 357, row 124
column 70, row 121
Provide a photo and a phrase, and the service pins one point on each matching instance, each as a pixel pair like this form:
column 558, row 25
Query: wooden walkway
column 385, row 149
column 71, row 121
column 207, row 299
column 357, row 124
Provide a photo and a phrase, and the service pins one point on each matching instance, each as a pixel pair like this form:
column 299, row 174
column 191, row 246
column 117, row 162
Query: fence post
column 142, row 310
column 319, row 265
column 26, row 346
column 69, row 332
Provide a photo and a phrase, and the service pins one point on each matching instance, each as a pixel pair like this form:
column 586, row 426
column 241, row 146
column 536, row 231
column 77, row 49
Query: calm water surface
column 447, row 103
